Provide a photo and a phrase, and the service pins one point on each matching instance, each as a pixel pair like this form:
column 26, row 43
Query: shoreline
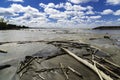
column 35, row 42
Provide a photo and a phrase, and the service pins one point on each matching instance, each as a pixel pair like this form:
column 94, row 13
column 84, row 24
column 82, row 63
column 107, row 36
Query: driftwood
column 49, row 57
column 68, row 44
column 25, row 65
column 64, row 72
column 74, row 71
column 34, row 78
column 97, row 70
column 4, row 66
column 104, row 67
column 50, row 69
column 41, row 77
column 114, row 74
column 105, row 76
column 21, row 74
column 107, row 37
column 108, row 62
column 2, row 51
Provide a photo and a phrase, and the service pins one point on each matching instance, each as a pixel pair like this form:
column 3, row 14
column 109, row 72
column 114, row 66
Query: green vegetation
column 5, row 26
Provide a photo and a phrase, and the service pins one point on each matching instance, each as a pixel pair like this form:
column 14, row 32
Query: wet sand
column 18, row 48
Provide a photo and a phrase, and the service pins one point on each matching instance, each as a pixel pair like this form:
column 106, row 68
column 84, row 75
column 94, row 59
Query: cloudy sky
column 61, row 13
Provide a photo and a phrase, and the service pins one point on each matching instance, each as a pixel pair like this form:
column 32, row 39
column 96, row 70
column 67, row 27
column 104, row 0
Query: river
column 16, row 52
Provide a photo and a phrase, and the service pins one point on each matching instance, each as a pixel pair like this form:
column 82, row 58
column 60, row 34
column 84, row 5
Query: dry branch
column 106, row 77
column 74, row 71
column 61, row 65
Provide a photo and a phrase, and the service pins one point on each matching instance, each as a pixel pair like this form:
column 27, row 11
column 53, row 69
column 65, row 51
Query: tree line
column 5, row 26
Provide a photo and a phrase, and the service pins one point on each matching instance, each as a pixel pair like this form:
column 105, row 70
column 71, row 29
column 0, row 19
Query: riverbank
column 28, row 42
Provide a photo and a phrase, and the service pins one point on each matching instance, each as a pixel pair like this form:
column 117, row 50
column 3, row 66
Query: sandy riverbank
column 18, row 48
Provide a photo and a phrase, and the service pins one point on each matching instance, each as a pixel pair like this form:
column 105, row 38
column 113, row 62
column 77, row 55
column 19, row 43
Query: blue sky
column 61, row 13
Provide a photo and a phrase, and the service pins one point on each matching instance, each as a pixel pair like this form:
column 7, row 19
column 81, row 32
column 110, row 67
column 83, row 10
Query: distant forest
column 107, row 28
column 5, row 26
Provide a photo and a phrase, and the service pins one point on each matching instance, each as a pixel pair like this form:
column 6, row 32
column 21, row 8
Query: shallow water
column 17, row 52
column 20, row 50
column 42, row 34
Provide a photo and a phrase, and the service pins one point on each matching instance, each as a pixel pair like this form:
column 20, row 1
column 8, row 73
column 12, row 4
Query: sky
column 61, row 13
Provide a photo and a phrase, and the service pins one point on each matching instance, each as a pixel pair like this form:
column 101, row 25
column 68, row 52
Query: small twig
column 33, row 78
column 40, row 61
column 25, row 65
column 74, row 71
column 41, row 77
column 23, row 73
column 95, row 51
column 48, row 69
column 61, row 65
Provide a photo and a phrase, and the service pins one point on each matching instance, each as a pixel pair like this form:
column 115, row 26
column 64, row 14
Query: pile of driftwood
column 105, row 69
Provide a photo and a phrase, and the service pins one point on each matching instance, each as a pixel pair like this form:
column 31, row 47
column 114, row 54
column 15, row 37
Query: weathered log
column 97, row 70
column 4, row 66
column 2, row 51
column 86, row 63
column 114, row 74
column 108, row 62
column 107, row 37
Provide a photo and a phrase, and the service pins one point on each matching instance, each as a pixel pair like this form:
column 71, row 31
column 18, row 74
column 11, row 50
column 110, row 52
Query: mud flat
column 45, row 45
column 56, row 64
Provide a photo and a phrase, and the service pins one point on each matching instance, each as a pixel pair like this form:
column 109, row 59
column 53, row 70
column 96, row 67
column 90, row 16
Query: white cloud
column 51, row 15
column 107, row 11
column 95, row 17
column 78, row 7
column 90, row 12
column 117, row 12
column 59, row 16
column 51, row 11
column 113, row 2
column 81, row 1
column 72, row 15
column 28, row 14
column 15, row 9
column 42, row 5
column 4, row 12
column 118, row 19
column 16, row 0
column 61, row 5
column 52, row 5
column 89, row 7
column 68, row 6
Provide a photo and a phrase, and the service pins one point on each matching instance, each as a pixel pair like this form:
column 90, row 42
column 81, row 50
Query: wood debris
column 105, row 69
